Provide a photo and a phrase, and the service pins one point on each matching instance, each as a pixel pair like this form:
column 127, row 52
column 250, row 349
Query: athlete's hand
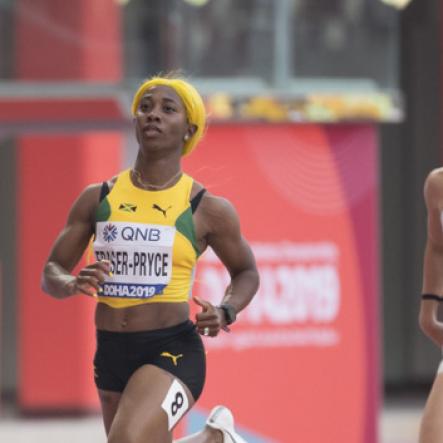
column 90, row 278
column 210, row 319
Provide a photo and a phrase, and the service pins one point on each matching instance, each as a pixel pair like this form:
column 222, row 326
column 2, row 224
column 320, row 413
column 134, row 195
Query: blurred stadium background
column 333, row 107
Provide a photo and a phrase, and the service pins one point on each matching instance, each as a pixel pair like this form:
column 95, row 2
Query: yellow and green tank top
column 149, row 238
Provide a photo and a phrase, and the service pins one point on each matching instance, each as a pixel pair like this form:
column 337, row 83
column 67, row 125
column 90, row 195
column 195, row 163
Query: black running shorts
column 178, row 350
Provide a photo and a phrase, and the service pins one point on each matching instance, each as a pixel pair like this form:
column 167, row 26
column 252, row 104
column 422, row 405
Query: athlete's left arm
column 225, row 238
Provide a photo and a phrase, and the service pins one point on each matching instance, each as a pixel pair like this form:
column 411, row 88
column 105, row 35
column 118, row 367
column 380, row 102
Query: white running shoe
column 221, row 418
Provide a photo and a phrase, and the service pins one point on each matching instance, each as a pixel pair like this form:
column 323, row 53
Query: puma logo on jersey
column 174, row 358
column 158, row 208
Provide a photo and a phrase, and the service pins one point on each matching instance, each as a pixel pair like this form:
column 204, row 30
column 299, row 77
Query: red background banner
column 301, row 363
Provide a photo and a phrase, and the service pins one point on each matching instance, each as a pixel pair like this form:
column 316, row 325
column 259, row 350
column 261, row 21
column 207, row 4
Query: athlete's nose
column 153, row 115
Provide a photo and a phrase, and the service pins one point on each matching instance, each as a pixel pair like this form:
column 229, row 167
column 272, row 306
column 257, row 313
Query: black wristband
column 435, row 297
column 229, row 311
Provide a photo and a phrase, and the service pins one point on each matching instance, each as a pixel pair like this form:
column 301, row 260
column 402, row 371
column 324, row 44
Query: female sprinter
column 149, row 225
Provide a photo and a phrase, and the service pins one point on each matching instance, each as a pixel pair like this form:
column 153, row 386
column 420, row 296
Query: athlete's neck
column 156, row 173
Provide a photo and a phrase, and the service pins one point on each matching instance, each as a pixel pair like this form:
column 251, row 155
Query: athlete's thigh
column 109, row 401
column 150, row 406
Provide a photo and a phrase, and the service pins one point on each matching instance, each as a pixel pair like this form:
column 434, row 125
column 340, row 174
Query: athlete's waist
column 154, row 334
column 142, row 317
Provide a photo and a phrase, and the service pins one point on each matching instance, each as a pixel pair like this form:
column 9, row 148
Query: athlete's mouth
column 151, row 128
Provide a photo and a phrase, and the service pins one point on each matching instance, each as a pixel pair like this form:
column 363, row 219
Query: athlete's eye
column 168, row 108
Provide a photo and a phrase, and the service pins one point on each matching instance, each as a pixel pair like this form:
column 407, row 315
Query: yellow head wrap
column 195, row 108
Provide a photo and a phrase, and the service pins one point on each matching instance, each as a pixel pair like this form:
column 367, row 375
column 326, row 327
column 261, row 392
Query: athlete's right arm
column 69, row 247
column 433, row 258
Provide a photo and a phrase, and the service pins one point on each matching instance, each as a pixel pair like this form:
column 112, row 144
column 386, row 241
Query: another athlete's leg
column 109, row 402
column 150, row 406
column 431, row 428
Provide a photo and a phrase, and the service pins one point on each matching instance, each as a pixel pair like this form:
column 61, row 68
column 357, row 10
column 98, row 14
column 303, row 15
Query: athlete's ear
column 192, row 129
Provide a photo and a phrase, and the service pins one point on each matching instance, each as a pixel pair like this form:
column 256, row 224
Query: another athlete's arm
column 225, row 238
column 69, row 247
column 433, row 258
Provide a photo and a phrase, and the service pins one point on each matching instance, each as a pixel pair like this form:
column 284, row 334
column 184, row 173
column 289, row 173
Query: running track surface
column 398, row 424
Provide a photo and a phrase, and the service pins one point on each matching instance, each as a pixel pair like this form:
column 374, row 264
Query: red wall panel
column 55, row 40
column 75, row 40
column 56, row 337
column 301, row 363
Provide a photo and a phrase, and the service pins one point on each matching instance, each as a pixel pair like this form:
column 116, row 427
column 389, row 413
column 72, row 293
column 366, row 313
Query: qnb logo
column 110, row 233
column 130, row 233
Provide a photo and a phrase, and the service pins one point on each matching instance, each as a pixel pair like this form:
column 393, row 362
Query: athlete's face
column 161, row 120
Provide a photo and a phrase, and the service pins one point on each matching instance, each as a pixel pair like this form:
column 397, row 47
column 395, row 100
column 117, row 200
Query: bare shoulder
column 219, row 213
column 435, row 176
column 433, row 189
column 86, row 203
column 91, row 194
column 217, row 207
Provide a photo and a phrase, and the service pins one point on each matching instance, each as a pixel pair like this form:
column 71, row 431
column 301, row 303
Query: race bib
column 175, row 404
column 140, row 256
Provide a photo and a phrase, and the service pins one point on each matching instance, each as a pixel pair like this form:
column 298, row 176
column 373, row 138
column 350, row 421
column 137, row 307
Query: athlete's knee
column 121, row 435
column 152, row 428
column 126, row 434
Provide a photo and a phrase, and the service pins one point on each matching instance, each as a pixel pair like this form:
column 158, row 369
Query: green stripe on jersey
column 103, row 210
column 185, row 225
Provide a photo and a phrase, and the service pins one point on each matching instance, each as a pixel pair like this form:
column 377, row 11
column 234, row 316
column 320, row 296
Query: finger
column 203, row 303
column 204, row 331
column 208, row 322
column 89, row 278
column 206, row 316
column 103, row 266
column 209, row 332
column 106, row 266
column 87, row 290
column 96, row 274
column 92, row 281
